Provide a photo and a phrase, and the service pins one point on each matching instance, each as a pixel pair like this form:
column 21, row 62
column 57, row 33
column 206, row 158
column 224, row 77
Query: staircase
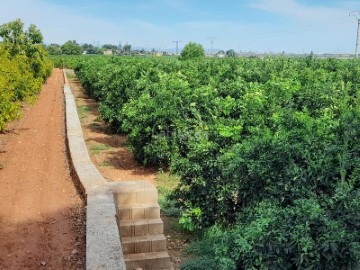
column 140, row 225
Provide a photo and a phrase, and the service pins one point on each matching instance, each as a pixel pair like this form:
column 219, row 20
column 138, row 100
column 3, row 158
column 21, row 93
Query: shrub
column 192, row 50
column 264, row 149
column 308, row 234
column 23, row 68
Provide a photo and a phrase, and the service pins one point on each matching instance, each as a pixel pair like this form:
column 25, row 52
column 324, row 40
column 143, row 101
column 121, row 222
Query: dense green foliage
column 192, row 50
column 71, row 47
column 267, row 151
column 230, row 53
column 23, row 68
column 54, row 49
column 68, row 61
column 311, row 233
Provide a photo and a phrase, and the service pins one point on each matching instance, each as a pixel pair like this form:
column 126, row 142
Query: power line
column 297, row 29
column 212, row 39
column 96, row 44
column 356, row 14
column 177, row 45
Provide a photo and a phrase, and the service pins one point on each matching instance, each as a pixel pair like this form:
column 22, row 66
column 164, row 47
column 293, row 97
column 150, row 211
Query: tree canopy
column 23, row 68
column 18, row 41
column 54, row 49
column 230, row 53
column 192, row 50
column 126, row 49
column 71, row 47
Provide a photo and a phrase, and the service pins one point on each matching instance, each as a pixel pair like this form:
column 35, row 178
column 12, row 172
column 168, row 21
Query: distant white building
column 220, row 54
column 108, row 52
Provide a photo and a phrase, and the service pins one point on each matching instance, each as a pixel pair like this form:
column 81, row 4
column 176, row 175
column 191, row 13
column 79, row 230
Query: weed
column 84, row 111
column 70, row 75
column 98, row 119
column 166, row 181
column 96, row 126
column 96, row 148
column 105, row 163
column 165, row 184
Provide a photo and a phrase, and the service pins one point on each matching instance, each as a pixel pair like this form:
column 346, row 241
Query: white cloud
column 61, row 23
column 300, row 12
column 309, row 26
column 58, row 23
column 297, row 27
column 205, row 25
column 143, row 24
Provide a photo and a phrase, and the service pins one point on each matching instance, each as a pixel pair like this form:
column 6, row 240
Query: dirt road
column 41, row 214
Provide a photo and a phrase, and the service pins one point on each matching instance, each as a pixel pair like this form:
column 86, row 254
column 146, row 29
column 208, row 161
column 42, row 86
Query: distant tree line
column 71, row 47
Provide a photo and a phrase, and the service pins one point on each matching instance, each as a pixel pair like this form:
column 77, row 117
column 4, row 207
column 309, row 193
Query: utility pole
column 177, row 45
column 357, row 39
column 212, row 39
column 356, row 14
column 96, row 44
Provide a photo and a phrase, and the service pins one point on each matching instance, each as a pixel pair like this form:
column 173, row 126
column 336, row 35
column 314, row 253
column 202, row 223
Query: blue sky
column 243, row 25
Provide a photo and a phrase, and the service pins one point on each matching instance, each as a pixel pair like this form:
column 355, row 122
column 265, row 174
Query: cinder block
column 125, row 198
column 149, row 261
column 152, row 211
column 123, row 214
column 140, row 211
column 157, row 228
column 136, row 197
column 147, row 195
column 158, row 244
column 137, row 213
column 128, row 248
column 141, row 227
column 135, row 192
column 144, row 244
column 143, row 247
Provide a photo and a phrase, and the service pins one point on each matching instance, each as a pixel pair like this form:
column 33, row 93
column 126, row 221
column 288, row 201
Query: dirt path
column 107, row 151
column 110, row 154
column 41, row 215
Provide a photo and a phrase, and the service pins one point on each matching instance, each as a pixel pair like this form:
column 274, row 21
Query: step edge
column 140, row 205
column 143, row 238
column 134, row 256
column 143, row 221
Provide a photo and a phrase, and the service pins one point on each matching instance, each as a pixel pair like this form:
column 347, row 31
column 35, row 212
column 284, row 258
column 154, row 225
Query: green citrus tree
column 192, row 50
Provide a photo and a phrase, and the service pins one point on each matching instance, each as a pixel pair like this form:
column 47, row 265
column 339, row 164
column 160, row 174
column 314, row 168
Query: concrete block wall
column 123, row 225
column 103, row 246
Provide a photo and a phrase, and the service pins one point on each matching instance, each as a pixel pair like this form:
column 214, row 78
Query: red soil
column 116, row 162
column 42, row 216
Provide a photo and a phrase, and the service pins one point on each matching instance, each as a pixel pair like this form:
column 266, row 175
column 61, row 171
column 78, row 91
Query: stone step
column 141, row 227
column 148, row 261
column 143, row 244
column 136, row 192
column 138, row 211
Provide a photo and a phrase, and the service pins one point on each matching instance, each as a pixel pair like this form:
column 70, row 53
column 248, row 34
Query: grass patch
column 84, row 111
column 98, row 119
column 167, row 181
column 70, row 75
column 105, row 163
column 96, row 148
column 97, row 127
column 165, row 184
